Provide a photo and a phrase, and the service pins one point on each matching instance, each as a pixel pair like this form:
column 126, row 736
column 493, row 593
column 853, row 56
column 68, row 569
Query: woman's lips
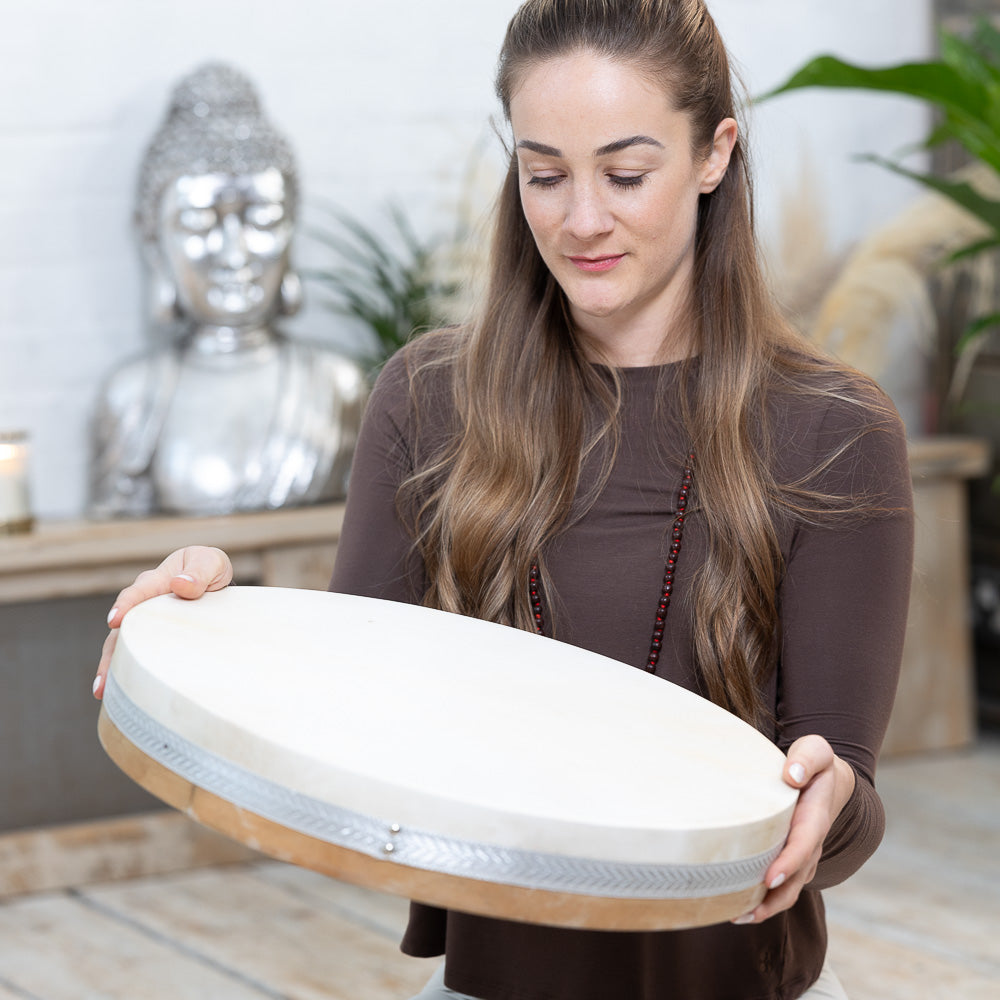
column 602, row 263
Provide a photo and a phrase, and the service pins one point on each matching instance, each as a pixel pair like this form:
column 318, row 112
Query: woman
column 530, row 468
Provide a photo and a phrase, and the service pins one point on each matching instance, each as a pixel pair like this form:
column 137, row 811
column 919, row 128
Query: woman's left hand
column 826, row 783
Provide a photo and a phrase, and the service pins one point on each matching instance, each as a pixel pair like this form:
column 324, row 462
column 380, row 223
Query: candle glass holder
column 15, row 505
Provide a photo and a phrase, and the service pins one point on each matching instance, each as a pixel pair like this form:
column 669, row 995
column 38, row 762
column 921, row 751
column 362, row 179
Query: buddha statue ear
column 163, row 307
column 290, row 294
column 162, row 304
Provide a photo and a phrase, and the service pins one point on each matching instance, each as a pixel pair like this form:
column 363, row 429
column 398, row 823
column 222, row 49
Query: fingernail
column 184, row 576
column 747, row 918
column 776, row 881
column 111, row 615
column 797, row 773
column 97, row 683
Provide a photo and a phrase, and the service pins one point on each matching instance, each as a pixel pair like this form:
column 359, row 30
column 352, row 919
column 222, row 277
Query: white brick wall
column 385, row 99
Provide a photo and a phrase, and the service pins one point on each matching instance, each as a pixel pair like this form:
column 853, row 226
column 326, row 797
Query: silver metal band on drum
column 418, row 848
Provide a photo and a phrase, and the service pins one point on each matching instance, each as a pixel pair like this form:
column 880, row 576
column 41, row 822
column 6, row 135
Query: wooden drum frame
column 451, row 761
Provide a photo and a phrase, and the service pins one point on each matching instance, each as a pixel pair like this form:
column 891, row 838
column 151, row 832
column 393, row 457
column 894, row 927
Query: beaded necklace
column 677, row 531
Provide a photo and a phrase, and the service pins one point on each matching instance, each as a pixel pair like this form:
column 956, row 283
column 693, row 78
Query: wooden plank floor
column 920, row 922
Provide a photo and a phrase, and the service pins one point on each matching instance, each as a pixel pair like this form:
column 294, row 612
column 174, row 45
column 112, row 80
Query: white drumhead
column 348, row 710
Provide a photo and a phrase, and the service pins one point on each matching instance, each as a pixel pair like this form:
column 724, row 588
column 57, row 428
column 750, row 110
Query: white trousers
column 827, row 987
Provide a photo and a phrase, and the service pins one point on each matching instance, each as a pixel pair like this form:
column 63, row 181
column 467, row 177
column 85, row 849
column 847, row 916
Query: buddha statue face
column 224, row 240
column 216, row 206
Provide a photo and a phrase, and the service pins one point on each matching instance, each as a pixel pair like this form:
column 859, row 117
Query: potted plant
column 963, row 86
column 396, row 285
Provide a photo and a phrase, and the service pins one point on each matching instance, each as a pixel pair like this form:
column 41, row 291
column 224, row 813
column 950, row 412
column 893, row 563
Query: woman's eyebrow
column 633, row 140
column 539, row 147
column 612, row 147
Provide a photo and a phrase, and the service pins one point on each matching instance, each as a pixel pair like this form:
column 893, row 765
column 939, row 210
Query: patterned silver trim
column 418, row 848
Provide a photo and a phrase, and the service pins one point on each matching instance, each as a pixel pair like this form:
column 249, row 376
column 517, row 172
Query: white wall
column 806, row 144
column 384, row 99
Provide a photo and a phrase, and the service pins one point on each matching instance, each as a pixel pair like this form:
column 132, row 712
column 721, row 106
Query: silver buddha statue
column 232, row 414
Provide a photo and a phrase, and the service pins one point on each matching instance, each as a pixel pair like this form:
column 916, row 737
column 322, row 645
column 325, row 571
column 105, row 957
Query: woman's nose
column 586, row 214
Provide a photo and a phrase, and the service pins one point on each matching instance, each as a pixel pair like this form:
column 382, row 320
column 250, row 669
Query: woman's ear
column 717, row 162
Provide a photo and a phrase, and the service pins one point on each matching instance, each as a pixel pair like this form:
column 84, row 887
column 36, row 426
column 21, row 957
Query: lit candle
column 15, row 509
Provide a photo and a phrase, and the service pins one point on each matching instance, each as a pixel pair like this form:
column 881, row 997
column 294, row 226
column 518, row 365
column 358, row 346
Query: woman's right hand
column 188, row 573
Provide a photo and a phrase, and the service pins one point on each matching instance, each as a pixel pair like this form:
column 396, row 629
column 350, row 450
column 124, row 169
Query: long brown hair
column 530, row 408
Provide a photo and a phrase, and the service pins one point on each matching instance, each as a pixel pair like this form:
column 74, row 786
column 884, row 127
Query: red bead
column 668, row 585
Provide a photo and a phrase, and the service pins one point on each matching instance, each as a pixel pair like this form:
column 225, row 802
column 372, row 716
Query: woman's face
column 610, row 187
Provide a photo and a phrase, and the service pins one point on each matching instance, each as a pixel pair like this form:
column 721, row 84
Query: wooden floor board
column 276, row 937
column 922, row 917
column 881, row 969
column 10, row 992
column 378, row 911
column 52, row 947
column 921, row 921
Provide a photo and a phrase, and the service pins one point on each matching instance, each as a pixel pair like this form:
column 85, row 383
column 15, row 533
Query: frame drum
column 452, row 761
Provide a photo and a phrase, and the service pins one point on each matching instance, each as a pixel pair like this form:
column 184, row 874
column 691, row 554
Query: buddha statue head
column 216, row 206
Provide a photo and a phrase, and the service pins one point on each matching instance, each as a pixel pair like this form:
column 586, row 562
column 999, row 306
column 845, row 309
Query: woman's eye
column 545, row 181
column 627, row 180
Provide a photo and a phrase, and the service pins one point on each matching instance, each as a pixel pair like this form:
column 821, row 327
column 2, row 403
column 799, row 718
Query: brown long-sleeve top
column 843, row 604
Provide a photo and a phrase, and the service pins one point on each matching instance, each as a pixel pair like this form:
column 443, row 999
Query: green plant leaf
column 978, row 134
column 976, row 331
column 973, row 249
column 964, row 86
column 386, row 283
column 939, row 135
column 987, row 38
column 936, row 82
column 967, row 59
column 961, row 192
